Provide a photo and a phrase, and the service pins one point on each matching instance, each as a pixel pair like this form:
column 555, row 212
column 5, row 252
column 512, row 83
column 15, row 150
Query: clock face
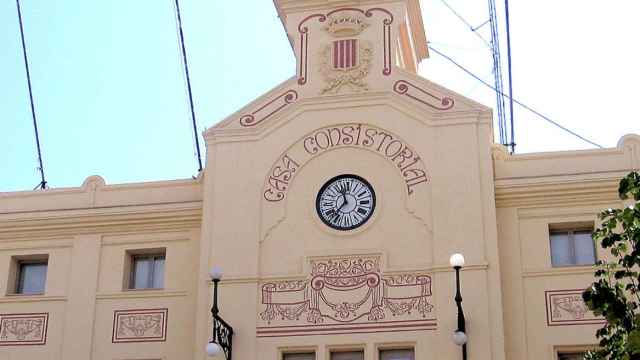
column 345, row 202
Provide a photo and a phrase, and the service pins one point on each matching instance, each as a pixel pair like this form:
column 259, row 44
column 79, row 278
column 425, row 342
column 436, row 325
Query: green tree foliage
column 615, row 293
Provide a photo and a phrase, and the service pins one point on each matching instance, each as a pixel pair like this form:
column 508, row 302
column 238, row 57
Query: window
column 299, row 356
column 572, row 247
column 397, row 354
column 347, row 355
column 571, row 356
column 31, row 276
column 147, row 271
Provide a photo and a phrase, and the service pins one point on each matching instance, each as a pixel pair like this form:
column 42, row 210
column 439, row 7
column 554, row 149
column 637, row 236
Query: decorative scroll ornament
column 140, row 325
column 265, row 111
column 346, row 63
column 566, row 307
column 412, row 91
column 23, row 329
column 346, row 292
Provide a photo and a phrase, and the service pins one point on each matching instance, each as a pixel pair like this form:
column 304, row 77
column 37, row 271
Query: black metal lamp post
column 222, row 332
column 460, row 335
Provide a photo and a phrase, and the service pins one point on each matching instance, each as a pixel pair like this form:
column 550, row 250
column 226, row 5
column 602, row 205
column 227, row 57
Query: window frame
column 396, row 348
column 284, row 354
column 16, row 280
column 572, row 349
column 564, row 353
column 570, row 230
column 144, row 254
column 339, row 350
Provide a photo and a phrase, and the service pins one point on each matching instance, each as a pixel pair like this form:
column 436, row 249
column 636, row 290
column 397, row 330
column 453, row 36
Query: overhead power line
column 468, row 24
column 506, row 136
column 43, row 182
column 546, row 118
column 186, row 71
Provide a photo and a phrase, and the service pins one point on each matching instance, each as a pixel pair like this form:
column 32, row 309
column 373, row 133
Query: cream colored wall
column 256, row 241
column 492, row 207
column 532, row 192
column 85, row 233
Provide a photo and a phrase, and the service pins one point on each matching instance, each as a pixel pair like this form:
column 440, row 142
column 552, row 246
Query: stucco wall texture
column 292, row 283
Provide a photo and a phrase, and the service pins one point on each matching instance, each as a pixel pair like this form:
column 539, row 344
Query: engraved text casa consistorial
column 395, row 150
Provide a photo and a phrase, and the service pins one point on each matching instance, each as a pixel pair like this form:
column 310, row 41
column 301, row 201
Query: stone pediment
column 422, row 99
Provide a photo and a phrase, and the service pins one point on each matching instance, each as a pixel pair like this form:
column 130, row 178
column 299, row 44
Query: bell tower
column 352, row 45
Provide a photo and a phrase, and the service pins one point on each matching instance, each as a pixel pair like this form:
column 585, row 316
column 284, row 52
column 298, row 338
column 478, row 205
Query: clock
column 345, row 202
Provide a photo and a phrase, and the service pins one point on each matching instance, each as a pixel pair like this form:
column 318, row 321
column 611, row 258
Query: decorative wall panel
column 346, row 294
column 143, row 325
column 23, row 329
column 566, row 307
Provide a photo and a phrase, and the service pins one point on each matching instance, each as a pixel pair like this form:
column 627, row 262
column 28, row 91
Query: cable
column 515, row 100
column 467, row 23
column 43, row 182
column 513, row 138
column 481, row 25
column 186, row 71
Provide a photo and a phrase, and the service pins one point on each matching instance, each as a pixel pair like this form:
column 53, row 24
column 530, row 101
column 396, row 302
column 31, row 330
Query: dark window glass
column 571, row 356
column 147, row 272
column 347, row 355
column 32, row 277
column 300, row 356
column 399, row 354
column 572, row 247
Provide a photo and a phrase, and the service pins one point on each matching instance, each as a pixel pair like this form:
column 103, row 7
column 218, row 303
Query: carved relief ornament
column 345, row 63
column 345, row 25
column 344, row 22
column 23, row 329
column 346, row 293
column 566, row 307
column 144, row 325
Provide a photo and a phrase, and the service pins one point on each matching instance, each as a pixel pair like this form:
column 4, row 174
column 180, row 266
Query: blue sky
column 111, row 99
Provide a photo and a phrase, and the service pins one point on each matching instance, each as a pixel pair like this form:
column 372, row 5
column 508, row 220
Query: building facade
column 333, row 204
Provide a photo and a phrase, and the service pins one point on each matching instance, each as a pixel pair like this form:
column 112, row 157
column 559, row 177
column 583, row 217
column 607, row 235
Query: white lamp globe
column 456, row 260
column 213, row 349
column 215, row 273
column 459, row 338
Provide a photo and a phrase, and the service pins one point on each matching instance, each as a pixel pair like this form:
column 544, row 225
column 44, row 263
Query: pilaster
column 80, row 310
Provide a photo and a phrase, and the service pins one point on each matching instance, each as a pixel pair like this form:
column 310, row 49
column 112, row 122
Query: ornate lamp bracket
column 222, row 334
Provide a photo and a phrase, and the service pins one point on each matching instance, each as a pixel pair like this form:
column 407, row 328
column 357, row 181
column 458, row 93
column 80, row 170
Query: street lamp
column 222, row 332
column 459, row 336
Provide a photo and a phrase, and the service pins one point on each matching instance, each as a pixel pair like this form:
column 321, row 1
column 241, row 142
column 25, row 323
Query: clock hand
column 344, row 198
column 345, row 202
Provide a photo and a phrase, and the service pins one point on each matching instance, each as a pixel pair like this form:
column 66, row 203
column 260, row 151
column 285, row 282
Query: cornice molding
column 382, row 98
column 560, row 190
column 574, row 270
column 141, row 294
column 423, row 269
column 31, row 298
column 32, row 225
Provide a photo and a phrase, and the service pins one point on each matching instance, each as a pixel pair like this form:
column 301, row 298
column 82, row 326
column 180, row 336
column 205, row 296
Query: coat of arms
column 345, row 62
